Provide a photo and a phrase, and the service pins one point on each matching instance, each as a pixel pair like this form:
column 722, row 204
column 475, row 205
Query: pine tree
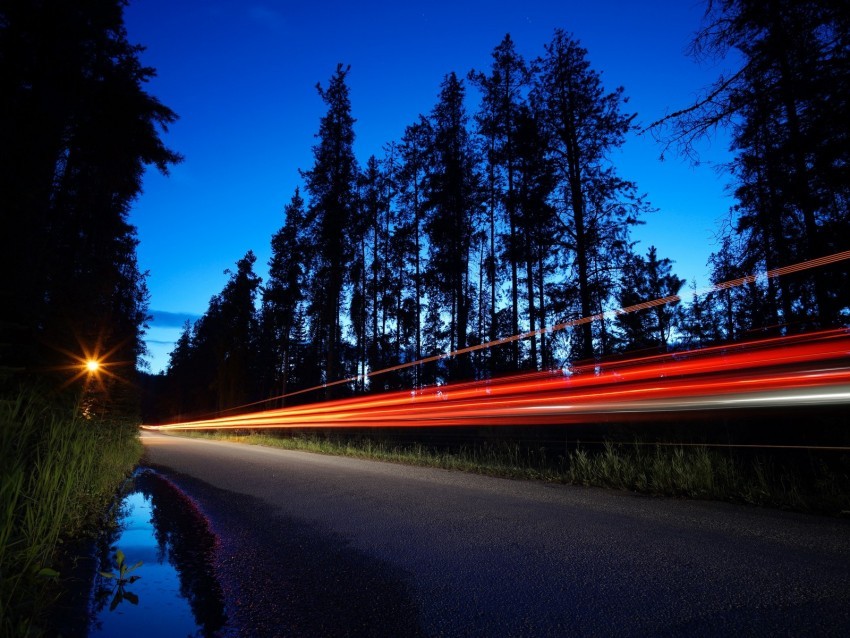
column 452, row 201
column 235, row 350
column 503, row 97
column 700, row 326
column 408, row 242
column 283, row 297
column 788, row 109
column 536, row 224
column 332, row 185
column 595, row 207
column 77, row 130
column 649, row 279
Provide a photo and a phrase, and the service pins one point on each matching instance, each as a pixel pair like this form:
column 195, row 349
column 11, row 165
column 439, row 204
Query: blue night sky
column 241, row 75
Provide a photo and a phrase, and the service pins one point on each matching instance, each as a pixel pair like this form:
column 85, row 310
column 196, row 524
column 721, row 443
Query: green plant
column 58, row 472
column 123, row 570
column 122, row 579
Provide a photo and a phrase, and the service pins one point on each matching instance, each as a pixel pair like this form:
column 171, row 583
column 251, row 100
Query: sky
column 241, row 76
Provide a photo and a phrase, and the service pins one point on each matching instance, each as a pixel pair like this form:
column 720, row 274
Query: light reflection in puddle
column 177, row 594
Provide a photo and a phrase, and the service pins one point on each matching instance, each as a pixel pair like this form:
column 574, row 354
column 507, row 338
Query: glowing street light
column 92, row 365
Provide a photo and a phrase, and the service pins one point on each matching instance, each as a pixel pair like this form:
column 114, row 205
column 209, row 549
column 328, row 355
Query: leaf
column 130, row 596
column 133, row 579
column 136, row 566
column 108, row 574
column 47, row 572
column 119, row 557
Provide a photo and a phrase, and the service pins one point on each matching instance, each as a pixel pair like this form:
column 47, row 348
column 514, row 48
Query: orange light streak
column 776, row 272
column 812, row 369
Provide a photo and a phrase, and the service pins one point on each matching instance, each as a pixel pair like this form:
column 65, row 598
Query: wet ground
column 174, row 591
column 208, row 571
column 283, row 577
column 264, row 542
column 318, row 545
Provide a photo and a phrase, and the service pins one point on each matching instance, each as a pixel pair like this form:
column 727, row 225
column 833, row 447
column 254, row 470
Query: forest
column 485, row 220
column 77, row 131
column 492, row 237
column 509, row 217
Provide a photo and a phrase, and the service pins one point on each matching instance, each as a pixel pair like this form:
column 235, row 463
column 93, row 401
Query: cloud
column 164, row 319
column 158, row 342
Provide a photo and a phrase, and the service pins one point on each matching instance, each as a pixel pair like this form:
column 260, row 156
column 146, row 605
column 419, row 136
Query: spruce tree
column 452, row 203
column 283, row 297
column 332, row 186
column 77, row 129
column 595, row 207
column 787, row 106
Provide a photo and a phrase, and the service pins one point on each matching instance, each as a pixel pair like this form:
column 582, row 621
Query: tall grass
column 58, row 472
column 802, row 483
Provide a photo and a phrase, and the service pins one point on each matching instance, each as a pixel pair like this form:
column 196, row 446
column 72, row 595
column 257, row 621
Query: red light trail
column 776, row 272
column 811, row 369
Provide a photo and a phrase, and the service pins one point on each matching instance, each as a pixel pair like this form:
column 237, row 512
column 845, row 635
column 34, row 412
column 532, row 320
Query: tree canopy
column 77, row 129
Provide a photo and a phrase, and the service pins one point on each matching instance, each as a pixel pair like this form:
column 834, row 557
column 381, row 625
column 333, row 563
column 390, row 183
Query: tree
column 648, row 279
column 788, row 108
column 503, row 96
column 237, row 343
column 452, row 203
column 214, row 365
column 283, row 298
column 700, row 325
column 77, row 130
column 332, row 185
column 536, row 223
column 180, row 377
column 411, row 182
column 595, row 207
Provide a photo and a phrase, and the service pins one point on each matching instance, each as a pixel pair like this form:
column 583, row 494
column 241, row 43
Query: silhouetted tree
column 647, row 279
column 181, row 378
column 235, row 352
column 283, row 297
column 537, row 228
column 410, row 178
column 788, row 108
column 76, row 130
column 503, row 96
column 595, row 207
column 700, row 325
column 332, row 185
column 452, row 202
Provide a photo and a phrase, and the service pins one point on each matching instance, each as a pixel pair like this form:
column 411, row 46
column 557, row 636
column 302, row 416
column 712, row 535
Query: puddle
column 176, row 593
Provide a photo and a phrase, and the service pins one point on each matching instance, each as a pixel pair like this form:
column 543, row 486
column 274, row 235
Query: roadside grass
column 807, row 484
column 58, row 473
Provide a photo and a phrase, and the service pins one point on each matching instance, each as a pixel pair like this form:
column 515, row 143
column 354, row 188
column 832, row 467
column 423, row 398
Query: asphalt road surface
column 313, row 545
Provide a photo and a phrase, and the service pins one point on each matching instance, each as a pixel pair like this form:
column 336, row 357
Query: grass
column 58, row 473
column 807, row 483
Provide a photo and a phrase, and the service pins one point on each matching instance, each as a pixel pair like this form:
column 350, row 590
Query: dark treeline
column 76, row 132
column 510, row 217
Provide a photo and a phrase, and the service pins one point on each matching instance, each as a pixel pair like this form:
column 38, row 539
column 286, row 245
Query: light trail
column 733, row 283
column 810, row 369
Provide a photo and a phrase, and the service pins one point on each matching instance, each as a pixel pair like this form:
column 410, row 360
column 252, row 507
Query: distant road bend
column 320, row 545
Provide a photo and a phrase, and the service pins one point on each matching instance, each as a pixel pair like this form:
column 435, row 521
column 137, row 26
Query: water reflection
column 177, row 593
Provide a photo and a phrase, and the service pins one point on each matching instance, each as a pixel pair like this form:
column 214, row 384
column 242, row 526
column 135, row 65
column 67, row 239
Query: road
column 320, row 545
